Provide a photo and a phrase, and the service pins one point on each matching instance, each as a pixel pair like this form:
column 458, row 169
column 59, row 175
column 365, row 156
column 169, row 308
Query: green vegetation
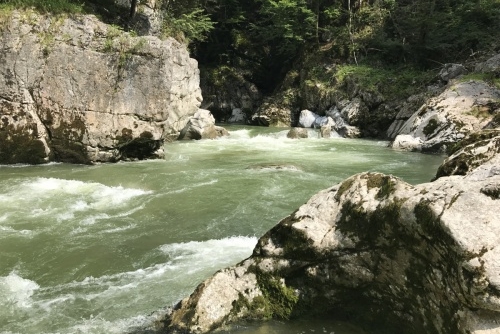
column 490, row 78
column 188, row 27
column 45, row 6
column 385, row 184
column 386, row 48
column 431, row 127
column 278, row 300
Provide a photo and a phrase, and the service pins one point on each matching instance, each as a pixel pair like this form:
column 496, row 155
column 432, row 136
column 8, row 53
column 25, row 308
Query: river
column 99, row 249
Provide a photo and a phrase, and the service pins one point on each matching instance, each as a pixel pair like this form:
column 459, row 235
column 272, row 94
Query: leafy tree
column 287, row 24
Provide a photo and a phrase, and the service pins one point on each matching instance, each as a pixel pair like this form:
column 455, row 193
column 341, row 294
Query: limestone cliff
column 374, row 249
column 74, row 89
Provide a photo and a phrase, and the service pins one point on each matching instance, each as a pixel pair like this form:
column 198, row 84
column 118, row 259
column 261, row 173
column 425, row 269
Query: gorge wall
column 74, row 89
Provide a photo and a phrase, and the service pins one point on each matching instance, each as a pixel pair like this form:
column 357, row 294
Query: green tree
column 288, row 24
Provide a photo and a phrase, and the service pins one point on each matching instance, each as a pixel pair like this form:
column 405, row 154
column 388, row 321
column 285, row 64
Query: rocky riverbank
column 377, row 251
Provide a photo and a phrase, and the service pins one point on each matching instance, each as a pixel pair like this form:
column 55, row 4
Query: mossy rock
column 21, row 145
column 462, row 159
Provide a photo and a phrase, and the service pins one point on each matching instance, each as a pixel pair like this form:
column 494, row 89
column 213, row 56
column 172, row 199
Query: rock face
column 478, row 149
column 397, row 257
column 77, row 90
column 463, row 108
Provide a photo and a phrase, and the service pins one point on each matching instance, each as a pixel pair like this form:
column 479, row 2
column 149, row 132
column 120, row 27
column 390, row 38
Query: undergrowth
column 44, row 6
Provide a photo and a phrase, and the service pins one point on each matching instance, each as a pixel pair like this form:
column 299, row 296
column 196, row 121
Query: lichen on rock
column 77, row 82
column 375, row 250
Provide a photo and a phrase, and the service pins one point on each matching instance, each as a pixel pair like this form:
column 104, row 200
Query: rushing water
column 98, row 249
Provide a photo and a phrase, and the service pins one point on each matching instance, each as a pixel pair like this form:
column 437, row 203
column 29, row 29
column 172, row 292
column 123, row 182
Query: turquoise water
column 100, row 249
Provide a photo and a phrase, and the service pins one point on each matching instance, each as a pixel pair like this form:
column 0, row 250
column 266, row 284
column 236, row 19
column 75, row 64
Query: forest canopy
column 269, row 35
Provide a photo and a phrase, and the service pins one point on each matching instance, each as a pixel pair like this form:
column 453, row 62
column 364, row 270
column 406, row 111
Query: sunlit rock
column 384, row 253
column 307, row 118
column 91, row 92
column 463, row 108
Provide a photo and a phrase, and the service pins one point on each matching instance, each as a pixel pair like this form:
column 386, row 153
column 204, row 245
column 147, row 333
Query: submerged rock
column 375, row 249
column 74, row 89
column 296, row 133
column 275, row 167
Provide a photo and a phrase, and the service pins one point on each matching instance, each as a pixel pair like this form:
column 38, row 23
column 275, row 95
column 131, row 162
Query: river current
column 100, row 249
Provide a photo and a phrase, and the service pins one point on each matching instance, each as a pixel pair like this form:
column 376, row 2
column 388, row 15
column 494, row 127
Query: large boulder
column 77, row 90
column 451, row 71
column 492, row 65
column 307, row 118
column 405, row 111
column 384, row 253
column 202, row 126
column 463, row 108
column 354, row 111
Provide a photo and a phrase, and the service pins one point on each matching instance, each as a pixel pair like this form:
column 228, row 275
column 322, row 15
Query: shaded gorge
column 99, row 249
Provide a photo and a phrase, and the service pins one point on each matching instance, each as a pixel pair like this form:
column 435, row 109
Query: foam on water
column 16, row 291
column 64, row 199
column 215, row 250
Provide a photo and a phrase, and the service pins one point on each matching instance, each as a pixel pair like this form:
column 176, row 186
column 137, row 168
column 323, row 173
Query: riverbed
column 103, row 248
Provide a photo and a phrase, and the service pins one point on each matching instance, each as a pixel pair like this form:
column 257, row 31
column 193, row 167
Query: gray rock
column 406, row 110
column 322, row 121
column 478, row 149
column 91, row 92
column 463, row 108
column 354, row 111
column 325, row 131
column 451, row 71
column 407, row 143
column 237, row 117
column 340, row 125
column 297, row 133
column 260, row 120
column 491, row 65
column 307, row 118
column 202, row 126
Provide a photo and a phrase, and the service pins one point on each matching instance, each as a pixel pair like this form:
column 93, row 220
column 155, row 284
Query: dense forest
column 264, row 39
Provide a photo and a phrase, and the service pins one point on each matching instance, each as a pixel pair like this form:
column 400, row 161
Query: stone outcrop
column 382, row 252
column 405, row 111
column 225, row 89
column 478, row 149
column 463, row 108
column 78, row 90
column 202, row 126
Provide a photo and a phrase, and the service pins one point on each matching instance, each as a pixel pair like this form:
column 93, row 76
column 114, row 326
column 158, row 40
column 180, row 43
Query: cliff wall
column 74, row 89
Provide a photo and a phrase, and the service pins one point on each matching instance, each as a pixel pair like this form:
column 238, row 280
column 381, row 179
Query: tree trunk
column 133, row 8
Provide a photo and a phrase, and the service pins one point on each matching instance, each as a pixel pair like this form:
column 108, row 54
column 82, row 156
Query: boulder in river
column 296, row 133
column 307, row 118
column 202, row 126
column 373, row 249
